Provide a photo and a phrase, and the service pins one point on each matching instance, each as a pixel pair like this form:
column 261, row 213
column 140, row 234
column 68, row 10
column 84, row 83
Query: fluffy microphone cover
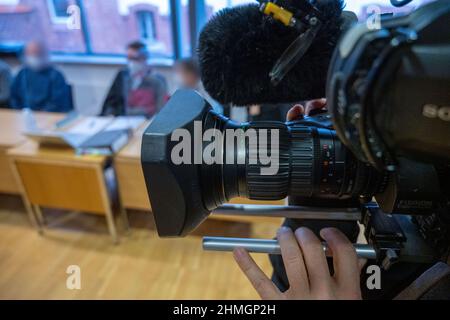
column 239, row 47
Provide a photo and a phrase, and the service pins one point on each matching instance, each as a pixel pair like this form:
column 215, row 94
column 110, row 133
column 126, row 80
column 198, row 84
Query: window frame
column 145, row 14
column 53, row 15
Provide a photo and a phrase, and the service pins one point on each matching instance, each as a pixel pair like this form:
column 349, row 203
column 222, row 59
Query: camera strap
column 428, row 284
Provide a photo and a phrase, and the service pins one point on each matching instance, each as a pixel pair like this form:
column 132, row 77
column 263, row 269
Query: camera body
column 388, row 91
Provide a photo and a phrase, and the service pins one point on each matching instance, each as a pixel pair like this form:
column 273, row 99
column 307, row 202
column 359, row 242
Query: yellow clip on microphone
column 278, row 13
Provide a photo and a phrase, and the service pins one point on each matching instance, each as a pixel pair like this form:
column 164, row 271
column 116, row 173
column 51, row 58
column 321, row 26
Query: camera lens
column 311, row 162
column 203, row 159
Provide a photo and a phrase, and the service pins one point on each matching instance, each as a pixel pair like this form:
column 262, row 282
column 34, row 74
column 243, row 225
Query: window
column 26, row 20
column 365, row 8
column 362, row 8
column 106, row 26
column 213, row 6
column 186, row 50
column 146, row 24
column 59, row 10
column 9, row 2
column 111, row 25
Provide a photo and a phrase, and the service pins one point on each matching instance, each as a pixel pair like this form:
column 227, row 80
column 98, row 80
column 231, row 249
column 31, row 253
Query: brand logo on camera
column 436, row 112
column 214, row 147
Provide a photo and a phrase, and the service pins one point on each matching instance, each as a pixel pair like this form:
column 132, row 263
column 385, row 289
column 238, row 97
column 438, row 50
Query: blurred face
column 186, row 78
column 35, row 56
column 135, row 55
column 136, row 61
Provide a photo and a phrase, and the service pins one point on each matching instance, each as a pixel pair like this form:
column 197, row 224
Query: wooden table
column 130, row 179
column 133, row 191
column 58, row 178
column 12, row 126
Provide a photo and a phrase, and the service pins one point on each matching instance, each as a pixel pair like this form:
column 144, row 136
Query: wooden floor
column 142, row 266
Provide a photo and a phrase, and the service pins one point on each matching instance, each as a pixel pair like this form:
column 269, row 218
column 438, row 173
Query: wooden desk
column 11, row 128
column 133, row 191
column 58, row 178
column 130, row 179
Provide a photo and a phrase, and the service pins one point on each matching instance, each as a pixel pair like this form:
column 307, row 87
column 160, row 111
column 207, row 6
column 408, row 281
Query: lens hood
column 174, row 190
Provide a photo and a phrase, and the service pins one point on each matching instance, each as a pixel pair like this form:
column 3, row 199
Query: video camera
column 386, row 137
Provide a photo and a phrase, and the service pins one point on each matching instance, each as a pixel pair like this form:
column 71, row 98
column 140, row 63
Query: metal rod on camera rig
column 294, row 212
column 271, row 246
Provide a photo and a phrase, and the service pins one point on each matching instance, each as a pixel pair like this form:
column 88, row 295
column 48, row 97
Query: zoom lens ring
column 269, row 186
column 302, row 161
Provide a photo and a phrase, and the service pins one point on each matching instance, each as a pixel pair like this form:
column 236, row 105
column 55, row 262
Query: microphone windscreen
column 239, row 46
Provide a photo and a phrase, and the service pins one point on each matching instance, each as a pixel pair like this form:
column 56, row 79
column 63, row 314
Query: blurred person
column 137, row 89
column 40, row 86
column 188, row 76
column 5, row 84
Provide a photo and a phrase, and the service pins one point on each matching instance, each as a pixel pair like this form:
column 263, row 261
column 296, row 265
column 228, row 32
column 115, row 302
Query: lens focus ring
column 273, row 186
column 302, row 161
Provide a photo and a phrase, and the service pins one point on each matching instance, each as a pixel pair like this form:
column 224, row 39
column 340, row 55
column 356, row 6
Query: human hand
column 298, row 111
column 307, row 268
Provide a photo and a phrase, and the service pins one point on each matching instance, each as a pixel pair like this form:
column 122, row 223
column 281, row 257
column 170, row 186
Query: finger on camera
column 345, row 260
column 315, row 105
column 293, row 260
column 295, row 113
column 315, row 260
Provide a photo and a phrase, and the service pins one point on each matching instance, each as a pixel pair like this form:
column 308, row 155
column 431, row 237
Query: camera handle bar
column 386, row 234
column 363, row 251
column 295, row 212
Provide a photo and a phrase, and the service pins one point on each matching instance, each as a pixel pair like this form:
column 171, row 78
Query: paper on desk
column 90, row 126
column 126, row 123
column 73, row 136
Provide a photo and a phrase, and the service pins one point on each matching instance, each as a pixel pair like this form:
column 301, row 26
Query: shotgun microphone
column 239, row 47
